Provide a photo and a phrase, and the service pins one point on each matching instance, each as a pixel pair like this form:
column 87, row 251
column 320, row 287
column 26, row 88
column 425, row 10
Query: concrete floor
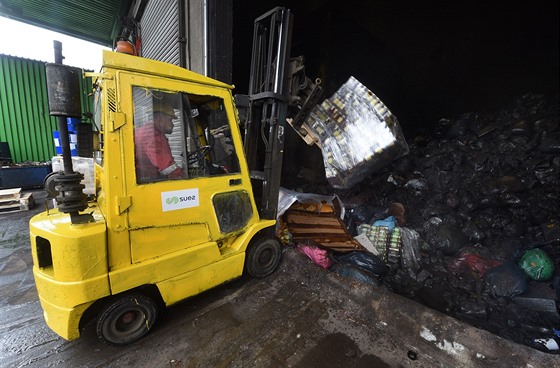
column 301, row 316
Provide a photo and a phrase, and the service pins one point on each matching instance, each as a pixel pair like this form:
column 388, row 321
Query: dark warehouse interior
column 425, row 60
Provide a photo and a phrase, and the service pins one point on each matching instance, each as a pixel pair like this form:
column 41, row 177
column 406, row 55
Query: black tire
column 49, row 184
column 126, row 319
column 263, row 257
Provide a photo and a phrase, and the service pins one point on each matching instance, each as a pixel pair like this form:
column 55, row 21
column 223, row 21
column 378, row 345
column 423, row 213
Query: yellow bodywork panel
column 77, row 252
column 177, row 265
column 227, row 268
column 64, row 321
column 157, row 241
column 135, row 64
column 70, row 267
column 180, row 287
column 164, row 267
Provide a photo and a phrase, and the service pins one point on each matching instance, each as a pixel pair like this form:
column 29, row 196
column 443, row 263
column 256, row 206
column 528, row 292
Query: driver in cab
column 154, row 160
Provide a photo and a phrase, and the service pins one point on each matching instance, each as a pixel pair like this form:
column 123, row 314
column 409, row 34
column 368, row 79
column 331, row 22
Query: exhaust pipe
column 63, row 88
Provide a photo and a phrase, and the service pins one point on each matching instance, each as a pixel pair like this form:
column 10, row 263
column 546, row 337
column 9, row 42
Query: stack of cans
column 388, row 243
column 394, row 246
column 358, row 134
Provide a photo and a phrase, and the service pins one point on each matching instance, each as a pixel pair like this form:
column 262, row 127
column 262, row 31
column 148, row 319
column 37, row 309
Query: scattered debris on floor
column 467, row 223
column 12, row 200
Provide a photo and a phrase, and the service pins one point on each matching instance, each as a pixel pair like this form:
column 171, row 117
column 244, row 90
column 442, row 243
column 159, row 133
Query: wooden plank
column 7, row 203
column 25, row 203
column 325, row 229
column 325, row 240
column 9, row 207
column 311, row 225
column 10, row 192
column 12, row 208
column 311, row 218
column 330, row 241
column 312, row 221
column 13, row 193
column 343, row 247
column 305, row 213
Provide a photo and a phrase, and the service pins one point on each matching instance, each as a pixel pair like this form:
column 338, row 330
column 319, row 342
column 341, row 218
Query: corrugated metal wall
column 160, row 31
column 25, row 122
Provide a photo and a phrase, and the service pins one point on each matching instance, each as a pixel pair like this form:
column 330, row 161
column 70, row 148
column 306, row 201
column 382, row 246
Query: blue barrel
column 57, row 142
column 72, row 124
column 73, row 139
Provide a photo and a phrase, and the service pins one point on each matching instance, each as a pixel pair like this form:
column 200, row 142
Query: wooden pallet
column 13, row 200
column 325, row 229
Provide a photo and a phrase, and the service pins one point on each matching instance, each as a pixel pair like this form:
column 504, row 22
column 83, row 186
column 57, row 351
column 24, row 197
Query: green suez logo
column 179, row 199
column 175, row 200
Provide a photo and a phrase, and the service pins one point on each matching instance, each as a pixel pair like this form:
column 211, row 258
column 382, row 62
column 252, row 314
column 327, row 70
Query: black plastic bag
column 506, row 280
column 366, row 260
column 355, row 272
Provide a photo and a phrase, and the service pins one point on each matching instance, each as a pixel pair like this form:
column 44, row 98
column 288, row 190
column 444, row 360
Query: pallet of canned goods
column 357, row 134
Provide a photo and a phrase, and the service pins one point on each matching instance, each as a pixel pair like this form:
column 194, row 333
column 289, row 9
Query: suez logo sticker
column 179, row 199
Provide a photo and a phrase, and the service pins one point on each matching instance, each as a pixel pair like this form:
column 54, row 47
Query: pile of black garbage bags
column 476, row 234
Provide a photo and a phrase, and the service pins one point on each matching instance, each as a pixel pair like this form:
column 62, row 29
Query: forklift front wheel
column 126, row 319
column 263, row 256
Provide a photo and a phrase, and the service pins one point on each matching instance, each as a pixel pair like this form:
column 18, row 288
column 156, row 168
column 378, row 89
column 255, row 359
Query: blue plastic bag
column 390, row 223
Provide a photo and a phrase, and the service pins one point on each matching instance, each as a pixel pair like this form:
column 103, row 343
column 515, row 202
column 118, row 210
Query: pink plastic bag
column 318, row 255
column 474, row 263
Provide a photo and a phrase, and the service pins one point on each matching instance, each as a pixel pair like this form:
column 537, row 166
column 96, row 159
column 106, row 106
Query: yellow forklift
column 183, row 202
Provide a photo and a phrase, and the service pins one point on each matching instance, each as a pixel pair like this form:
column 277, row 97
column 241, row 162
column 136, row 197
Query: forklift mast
column 278, row 90
column 268, row 106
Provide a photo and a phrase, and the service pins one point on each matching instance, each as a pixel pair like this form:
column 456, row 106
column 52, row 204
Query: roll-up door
column 160, row 31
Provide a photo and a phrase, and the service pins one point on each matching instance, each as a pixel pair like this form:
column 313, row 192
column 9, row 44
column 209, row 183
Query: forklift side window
column 179, row 136
column 209, row 141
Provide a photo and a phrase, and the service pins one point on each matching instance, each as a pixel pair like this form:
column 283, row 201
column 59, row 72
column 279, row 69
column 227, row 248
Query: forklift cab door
column 185, row 173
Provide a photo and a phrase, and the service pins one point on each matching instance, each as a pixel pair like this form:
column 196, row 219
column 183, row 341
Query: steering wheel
column 198, row 153
column 201, row 151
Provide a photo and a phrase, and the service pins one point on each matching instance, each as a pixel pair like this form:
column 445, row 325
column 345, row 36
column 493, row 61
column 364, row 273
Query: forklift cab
column 174, row 212
column 181, row 165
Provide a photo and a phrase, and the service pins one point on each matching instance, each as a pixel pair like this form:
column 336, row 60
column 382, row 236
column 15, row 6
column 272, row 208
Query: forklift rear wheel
column 263, row 257
column 126, row 319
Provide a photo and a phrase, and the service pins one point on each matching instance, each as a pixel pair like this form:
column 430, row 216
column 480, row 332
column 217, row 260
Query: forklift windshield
column 180, row 136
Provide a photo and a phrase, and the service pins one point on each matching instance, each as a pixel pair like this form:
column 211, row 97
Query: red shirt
column 153, row 155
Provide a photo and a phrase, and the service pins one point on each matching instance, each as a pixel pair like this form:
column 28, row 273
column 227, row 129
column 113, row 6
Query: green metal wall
column 25, row 122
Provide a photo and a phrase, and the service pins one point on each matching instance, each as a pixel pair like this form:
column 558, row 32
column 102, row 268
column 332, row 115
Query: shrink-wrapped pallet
column 357, row 134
